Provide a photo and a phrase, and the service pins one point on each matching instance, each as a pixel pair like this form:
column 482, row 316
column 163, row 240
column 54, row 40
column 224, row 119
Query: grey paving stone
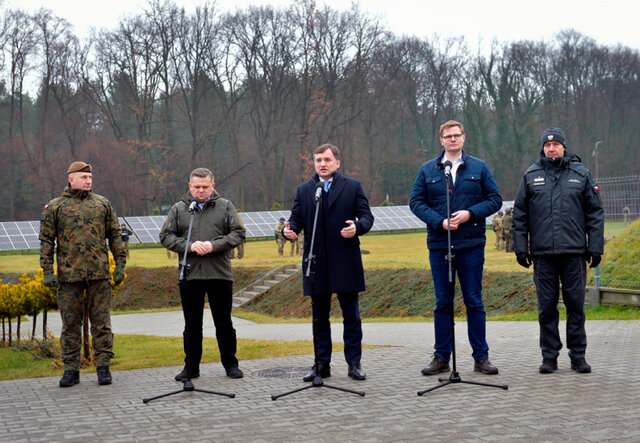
column 564, row 405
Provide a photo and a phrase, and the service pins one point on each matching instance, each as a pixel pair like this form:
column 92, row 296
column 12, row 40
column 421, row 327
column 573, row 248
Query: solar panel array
column 24, row 234
column 19, row 235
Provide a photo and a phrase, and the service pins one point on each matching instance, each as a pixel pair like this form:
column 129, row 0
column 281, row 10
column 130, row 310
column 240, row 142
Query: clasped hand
column 202, row 247
column 457, row 218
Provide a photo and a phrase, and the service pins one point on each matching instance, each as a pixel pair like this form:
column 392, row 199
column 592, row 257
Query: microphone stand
column 454, row 377
column 187, row 384
column 310, row 274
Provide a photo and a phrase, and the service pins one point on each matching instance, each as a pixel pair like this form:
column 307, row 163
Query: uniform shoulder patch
column 596, row 188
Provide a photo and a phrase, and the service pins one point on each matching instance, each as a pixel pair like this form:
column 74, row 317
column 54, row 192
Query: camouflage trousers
column 281, row 242
column 70, row 297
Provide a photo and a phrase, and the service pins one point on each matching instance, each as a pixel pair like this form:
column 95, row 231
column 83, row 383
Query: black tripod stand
column 187, row 384
column 454, row 377
column 311, row 261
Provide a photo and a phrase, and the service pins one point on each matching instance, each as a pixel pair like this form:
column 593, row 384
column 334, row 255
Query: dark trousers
column 467, row 265
column 352, row 334
column 548, row 272
column 220, row 295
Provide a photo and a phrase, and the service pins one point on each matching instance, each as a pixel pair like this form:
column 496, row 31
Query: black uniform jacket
column 558, row 209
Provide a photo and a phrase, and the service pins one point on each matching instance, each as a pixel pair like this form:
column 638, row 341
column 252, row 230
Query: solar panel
column 24, row 234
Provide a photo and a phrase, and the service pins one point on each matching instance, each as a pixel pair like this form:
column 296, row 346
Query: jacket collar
column 441, row 157
column 75, row 193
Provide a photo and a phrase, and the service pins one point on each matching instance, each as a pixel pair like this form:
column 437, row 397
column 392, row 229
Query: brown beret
column 79, row 167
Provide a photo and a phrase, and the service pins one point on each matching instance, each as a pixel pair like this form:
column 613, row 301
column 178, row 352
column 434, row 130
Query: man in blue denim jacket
column 474, row 196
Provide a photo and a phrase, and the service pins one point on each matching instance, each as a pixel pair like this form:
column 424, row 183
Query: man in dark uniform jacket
column 558, row 224
column 344, row 215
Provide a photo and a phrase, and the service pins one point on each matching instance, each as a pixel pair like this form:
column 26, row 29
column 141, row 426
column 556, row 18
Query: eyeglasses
column 452, row 137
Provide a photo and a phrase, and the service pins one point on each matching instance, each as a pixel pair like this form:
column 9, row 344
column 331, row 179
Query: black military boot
column 69, row 378
column 104, row 375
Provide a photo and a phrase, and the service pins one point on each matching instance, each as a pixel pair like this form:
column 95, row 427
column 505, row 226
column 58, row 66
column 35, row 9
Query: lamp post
column 595, row 154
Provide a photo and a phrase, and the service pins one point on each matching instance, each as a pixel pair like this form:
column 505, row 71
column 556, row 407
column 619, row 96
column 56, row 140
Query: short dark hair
column 202, row 173
column 320, row 149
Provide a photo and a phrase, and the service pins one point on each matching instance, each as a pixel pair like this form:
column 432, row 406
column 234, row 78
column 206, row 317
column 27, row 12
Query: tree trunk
column 35, row 321
column 18, row 331
column 10, row 332
column 44, row 325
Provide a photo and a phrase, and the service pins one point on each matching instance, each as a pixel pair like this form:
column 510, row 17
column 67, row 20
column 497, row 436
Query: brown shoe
column 436, row 366
column 485, row 367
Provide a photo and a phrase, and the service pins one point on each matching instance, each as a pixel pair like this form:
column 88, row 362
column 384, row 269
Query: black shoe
column 323, row 370
column 548, row 365
column 184, row 375
column 485, row 367
column 234, row 372
column 104, row 375
column 69, row 378
column 580, row 365
column 436, row 366
column 356, row 372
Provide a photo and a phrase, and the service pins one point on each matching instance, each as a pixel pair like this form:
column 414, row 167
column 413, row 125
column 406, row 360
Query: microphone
column 447, row 168
column 319, row 187
column 193, row 204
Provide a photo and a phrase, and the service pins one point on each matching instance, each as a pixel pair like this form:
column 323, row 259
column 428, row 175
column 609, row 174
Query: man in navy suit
column 343, row 216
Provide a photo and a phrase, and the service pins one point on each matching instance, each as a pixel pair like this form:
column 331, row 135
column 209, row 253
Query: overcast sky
column 608, row 22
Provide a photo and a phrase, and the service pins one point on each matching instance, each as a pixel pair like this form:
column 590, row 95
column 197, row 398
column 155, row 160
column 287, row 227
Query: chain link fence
column 621, row 202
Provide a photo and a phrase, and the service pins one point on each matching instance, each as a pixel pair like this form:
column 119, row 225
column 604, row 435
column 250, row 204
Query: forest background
column 250, row 93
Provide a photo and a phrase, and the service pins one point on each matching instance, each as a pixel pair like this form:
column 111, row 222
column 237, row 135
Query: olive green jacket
column 217, row 221
column 80, row 223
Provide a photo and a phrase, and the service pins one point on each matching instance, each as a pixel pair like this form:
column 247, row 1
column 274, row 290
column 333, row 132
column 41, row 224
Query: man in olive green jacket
column 80, row 223
column 216, row 230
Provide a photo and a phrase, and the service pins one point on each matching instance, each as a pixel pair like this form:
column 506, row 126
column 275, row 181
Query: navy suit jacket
column 338, row 264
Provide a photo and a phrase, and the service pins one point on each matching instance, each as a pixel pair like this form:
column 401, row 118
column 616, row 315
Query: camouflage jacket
column 81, row 223
column 217, row 221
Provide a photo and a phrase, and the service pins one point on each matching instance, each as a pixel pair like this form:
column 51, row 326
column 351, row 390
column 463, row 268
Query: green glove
column 118, row 274
column 50, row 280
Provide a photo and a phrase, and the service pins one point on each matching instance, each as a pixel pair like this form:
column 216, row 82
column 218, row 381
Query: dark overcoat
column 338, row 263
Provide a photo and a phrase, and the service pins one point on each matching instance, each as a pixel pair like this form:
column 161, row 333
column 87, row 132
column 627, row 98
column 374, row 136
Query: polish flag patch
column 596, row 188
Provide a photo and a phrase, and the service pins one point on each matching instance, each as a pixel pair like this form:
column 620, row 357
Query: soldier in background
column 507, row 232
column 300, row 249
column 81, row 223
column 280, row 240
column 240, row 247
column 497, row 228
column 126, row 233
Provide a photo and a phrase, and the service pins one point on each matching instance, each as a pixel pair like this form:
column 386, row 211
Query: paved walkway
column 599, row 406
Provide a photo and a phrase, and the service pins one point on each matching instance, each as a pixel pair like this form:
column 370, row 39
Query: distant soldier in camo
column 280, row 240
column 507, row 233
column 81, row 223
column 497, row 228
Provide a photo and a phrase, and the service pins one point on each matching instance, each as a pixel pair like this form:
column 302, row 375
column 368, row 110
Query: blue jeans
column 467, row 265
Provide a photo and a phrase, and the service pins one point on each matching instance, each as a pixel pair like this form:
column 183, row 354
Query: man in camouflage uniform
column 507, row 233
column 240, row 247
column 300, row 249
column 280, row 240
column 81, row 223
column 126, row 233
column 497, row 228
